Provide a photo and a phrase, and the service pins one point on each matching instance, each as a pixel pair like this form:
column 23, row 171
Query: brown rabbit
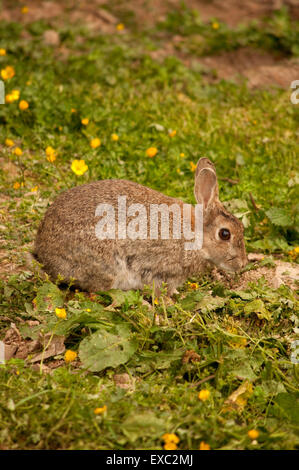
column 71, row 241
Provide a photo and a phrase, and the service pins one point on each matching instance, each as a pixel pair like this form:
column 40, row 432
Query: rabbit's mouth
column 230, row 266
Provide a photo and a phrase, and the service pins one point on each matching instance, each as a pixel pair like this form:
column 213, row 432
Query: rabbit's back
column 67, row 245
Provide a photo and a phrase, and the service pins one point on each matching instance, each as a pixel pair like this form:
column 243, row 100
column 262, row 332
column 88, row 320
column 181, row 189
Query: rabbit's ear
column 206, row 186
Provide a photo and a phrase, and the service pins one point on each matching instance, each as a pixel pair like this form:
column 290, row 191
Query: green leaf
column 257, row 306
column 143, row 424
column 49, row 297
column 120, row 297
column 279, row 216
column 287, row 405
column 210, row 303
column 107, row 348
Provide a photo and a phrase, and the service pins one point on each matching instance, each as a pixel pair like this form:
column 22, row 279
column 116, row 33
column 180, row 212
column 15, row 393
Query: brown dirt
column 261, row 69
column 282, row 274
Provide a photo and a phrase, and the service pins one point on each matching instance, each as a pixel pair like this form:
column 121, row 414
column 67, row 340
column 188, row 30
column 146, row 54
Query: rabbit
column 68, row 247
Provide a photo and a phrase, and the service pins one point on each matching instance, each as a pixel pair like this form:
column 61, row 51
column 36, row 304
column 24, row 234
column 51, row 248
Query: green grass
column 242, row 338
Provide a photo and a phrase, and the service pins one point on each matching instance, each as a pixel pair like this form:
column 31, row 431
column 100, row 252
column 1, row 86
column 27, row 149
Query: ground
column 218, row 360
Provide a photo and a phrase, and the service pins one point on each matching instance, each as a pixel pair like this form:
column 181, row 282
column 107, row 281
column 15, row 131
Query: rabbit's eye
column 224, row 234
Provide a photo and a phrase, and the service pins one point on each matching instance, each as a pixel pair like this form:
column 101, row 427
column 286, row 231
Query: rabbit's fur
column 67, row 246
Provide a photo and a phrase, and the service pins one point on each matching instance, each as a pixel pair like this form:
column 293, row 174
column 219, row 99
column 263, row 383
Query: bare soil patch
column 261, row 69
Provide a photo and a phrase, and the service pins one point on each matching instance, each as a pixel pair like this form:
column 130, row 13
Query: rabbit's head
column 223, row 233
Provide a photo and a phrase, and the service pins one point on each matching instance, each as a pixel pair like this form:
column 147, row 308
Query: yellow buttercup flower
column 204, row 395
column 192, row 166
column 2, row 51
column 215, row 25
column 73, row 110
column 151, row 152
column 193, row 285
column 15, row 94
column 79, row 167
column 170, row 446
column 85, row 121
column 114, row 137
column 17, row 151
column 70, row 356
column 8, row 72
column 16, row 185
column 172, row 133
column 23, row 105
column 9, row 143
column 51, row 154
column 100, row 410
column 9, row 98
column 24, row 10
column 34, row 189
column 60, row 313
column 94, row 143
column 170, row 437
column 182, row 154
column 253, row 434
column 204, row 446
column 120, row 27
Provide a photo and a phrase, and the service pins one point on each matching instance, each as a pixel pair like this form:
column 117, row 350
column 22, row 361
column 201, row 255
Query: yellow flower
column 114, row 137
column 182, row 154
column 253, row 434
column 17, row 151
column 100, row 410
column 170, row 446
column 204, row 395
column 8, row 72
column 34, row 189
column 23, row 105
column 70, row 356
column 94, row 143
column 9, row 143
column 9, row 98
column 193, row 285
column 79, row 167
column 170, row 438
column 151, row 152
column 15, row 94
column 73, row 110
column 16, row 185
column 88, row 310
column 24, row 10
column 85, row 121
column 172, row 133
column 156, row 301
column 2, row 52
column 204, row 446
column 60, row 313
column 120, row 27
column 51, row 158
column 215, row 25
column 192, row 166
column 51, row 154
